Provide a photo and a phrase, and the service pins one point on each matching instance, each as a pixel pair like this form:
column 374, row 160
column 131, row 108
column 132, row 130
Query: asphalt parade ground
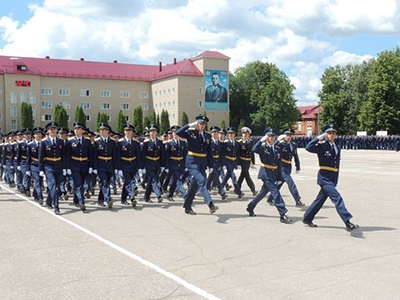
column 155, row 251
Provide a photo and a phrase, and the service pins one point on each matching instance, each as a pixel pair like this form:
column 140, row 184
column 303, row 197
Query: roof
column 96, row 70
column 309, row 112
column 210, row 54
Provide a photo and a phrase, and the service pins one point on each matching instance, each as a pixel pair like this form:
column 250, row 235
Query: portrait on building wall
column 216, row 89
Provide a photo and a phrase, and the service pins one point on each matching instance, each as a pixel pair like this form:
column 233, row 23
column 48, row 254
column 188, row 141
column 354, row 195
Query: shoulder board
column 146, row 140
column 13, row 143
column 87, row 138
column 224, row 141
column 281, row 141
column 121, row 139
column 44, row 139
column 321, row 142
column 165, row 142
column 240, row 140
column 294, row 143
column 31, row 142
column 263, row 143
column 191, row 129
column 71, row 138
column 96, row 139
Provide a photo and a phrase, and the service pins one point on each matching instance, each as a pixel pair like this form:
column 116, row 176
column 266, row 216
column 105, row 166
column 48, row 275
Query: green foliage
column 80, row 115
column 120, row 123
column 205, row 114
column 101, row 118
column 138, row 119
column 223, row 125
column 26, row 115
column 60, row 116
column 146, row 122
column 185, row 119
column 164, row 121
column 242, row 123
column 153, row 118
column 158, row 121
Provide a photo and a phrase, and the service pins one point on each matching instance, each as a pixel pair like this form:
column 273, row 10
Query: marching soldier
column 52, row 164
column 32, row 162
column 198, row 159
column 8, row 159
column 129, row 163
column 105, row 163
column 246, row 158
column 17, row 167
column 23, row 166
column 79, row 158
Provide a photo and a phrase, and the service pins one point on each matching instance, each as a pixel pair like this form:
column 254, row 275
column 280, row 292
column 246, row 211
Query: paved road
column 157, row 252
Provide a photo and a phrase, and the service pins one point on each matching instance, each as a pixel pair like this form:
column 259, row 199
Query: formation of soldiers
column 185, row 160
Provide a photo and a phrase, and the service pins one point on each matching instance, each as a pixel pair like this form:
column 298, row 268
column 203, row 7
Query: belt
column 176, row 157
column 245, row 158
column 128, row 158
column 79, row 158
column 34, row 159
column 153, row 158
column 105, row 157
column 269, row 166
column 23, row 156
column 54, row 159
column 329, row 169
column 8, row 156
column 197, row 154
column 216, row 156
column 230, row 158
column 289, row 162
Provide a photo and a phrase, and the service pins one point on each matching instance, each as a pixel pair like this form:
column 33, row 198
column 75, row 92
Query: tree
column 138, row 119
column 241, row 124
column 184, row 119
column 146, row 122
column 205, row 114
column 80, row 115
column 381, row 110
column 60, row 116
column 26, row 115
column 223, row 125
column 164, row 122
column 101, row 118
column 153, row 118
column 120, row 123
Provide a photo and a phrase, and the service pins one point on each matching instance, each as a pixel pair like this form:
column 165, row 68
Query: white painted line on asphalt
column 156, row 268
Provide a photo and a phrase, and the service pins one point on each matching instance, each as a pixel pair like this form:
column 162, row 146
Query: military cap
column 288, row 131
column 153, row 127
column 129, row 127
column 270, row 131
column 165, row 133
column 202, row 119
column 51, row 125
column 146, row 133
column 330, row 127
column 105, row 126
column 174, row 128
column 222, row 131
column 37, row 130
column 245, row 129
column 231, row 129
column 27, row 130
column 20, row 132
column 63, row 130
column 71, row 133
column 214, row 129
column 79, row 125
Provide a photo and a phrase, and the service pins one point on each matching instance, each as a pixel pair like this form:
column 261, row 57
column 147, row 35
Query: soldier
column 52, row 165
column 8, row 158
column 246, row 158
column 1, row 156
column 153, row 158
column 17, row 167
column 288, row 151
column 23, row 166
column 269, row 173
column 80, row 164
column 65, row 179
column 198, row 159
column 175, row 154
column 129, row 163
column 329, row 161
column 231, row 159
column 105, row 163
column 32, row 162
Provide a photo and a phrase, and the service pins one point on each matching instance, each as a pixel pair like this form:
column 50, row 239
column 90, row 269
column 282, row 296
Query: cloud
column 343, row 58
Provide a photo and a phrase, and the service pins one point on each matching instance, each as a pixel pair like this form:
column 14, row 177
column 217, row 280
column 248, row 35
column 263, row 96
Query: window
column 200, row 103
column 46, row 91
column 108, row 118
column 47, row 104
column 1, row 103
column 46, row 118
column 22, row 97
column 143, row 95
column 33, row 111
column 105, row 105
column 1, row 90
column 85, row 93
column 85, row 105
column 169, row 104
column 200, row 90
column 169, row 91
column 126, row 119
column 68, row 118
column 13, row 124
column 13, row 97
column 63, row 92
column 173, row 90
column 124, row 94
column 173, row 103
column 299, row 126
column 173, row 116
column 65, row 104
column 13, row 111
column 145, row 106
column 124, row 106
column 155, row 94
column 87, row 118
column 105, row 93
column 32, row 98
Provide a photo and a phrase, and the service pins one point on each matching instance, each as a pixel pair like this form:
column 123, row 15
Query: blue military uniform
column 328, row 174
column 8, row 161
column 269, row 173
column 246, row 158
column 32, row 161
column 17, row 171
column 23, row 164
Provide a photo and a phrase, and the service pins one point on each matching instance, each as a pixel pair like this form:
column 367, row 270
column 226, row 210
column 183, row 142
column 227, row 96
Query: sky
column 301, row 37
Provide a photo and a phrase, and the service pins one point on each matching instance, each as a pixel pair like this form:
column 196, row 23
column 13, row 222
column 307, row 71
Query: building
column 110, row 87
column 308, row 125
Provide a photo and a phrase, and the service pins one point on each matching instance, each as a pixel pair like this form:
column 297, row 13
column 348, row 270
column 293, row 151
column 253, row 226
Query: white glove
column 224, row 168
column 166, row 171
column 192, row 124
column 162, row 169
column 28, row 173
column 239, row 167
column 186, row 169
column 144, row 171
column 263, row 138
column 69, row 171
column 90, row 170
column 281, row 137
column 41, row 174
column 11, row 167
column 19, row 168
column 64, row 172
column 210, row 170
column 297, row 171
column 115, row 172
column 95, row 172
column 321, row 136
column 120, row 173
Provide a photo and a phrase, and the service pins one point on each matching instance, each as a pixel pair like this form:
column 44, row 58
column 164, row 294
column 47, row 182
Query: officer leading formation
column 52, row 164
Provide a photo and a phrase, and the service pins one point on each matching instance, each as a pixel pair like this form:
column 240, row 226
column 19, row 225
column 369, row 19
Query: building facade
column 108, row 88
column 308, row 125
